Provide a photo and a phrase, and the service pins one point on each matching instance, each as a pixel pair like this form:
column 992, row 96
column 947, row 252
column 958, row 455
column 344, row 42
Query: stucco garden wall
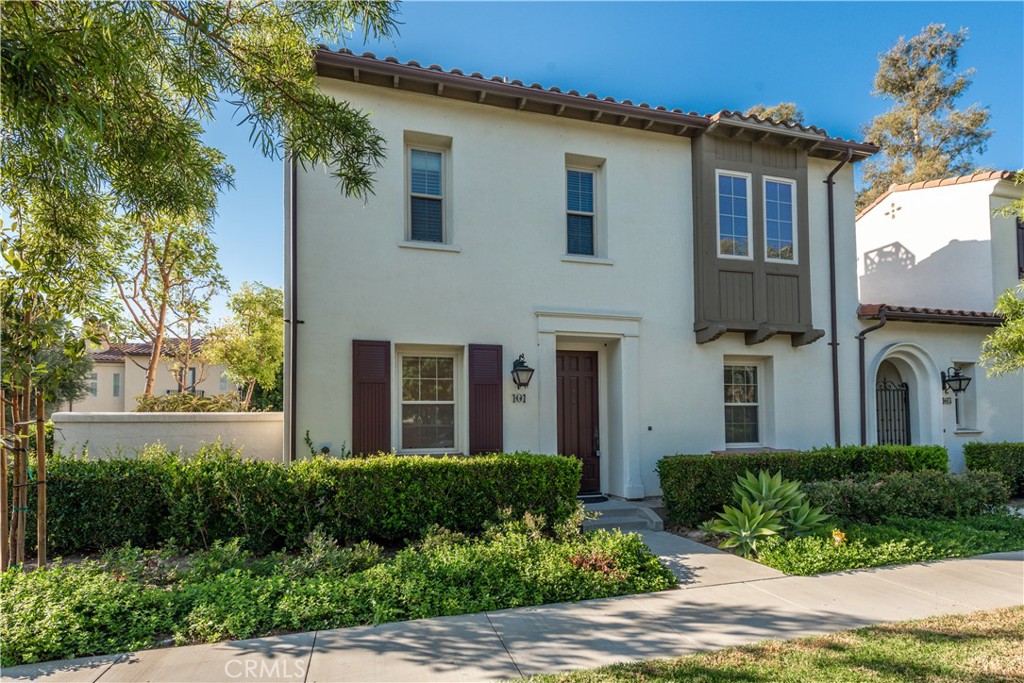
column 257, row 435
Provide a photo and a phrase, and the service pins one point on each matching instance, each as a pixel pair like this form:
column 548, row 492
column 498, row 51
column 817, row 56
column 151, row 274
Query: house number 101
column 519, row 398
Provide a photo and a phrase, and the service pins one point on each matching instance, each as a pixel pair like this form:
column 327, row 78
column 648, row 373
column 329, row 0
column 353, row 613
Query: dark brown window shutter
column 485, row 405
column 371, row 396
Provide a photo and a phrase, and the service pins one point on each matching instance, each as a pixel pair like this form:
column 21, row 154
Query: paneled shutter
column 371, row 396
column 485, row 404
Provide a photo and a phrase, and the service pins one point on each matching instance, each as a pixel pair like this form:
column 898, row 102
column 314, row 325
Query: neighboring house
column 933, row 258
column 119, row 375
column 666, row 275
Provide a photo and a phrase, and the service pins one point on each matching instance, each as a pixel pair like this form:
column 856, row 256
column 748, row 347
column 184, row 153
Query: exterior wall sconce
column 953, row 381
column 523, row 373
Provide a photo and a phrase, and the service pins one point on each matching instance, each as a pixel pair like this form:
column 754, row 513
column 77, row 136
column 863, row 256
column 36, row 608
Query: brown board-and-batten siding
column 371, row 396
column 485, row 399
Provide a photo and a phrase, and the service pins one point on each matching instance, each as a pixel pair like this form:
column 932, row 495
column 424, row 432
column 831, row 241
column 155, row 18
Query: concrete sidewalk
column 527, row 641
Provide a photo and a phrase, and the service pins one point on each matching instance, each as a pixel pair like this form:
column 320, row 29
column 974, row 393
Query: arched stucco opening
column 911, row 364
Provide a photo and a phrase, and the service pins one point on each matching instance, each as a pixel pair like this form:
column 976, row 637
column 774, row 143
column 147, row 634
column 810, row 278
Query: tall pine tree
column 923, row 135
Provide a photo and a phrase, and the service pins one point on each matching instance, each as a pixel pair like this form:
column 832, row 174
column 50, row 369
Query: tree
column 923, row 136
column 1003, row 350
column 169, row 276
column 104, row 102
column 781, row 112
column 71, row 375
column 251, row 343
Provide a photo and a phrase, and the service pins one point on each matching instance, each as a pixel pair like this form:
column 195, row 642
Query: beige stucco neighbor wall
column 256, row 435
column 133, row 382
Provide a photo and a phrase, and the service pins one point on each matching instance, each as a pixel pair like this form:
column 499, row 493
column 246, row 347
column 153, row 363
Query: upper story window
column 733, row 214
column 117, row 384
column 779, row 220
column 580, row 212
column 426, row 203
column 94, row 384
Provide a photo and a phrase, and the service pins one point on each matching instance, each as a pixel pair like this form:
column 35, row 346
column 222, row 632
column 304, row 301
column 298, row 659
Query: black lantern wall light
column 521, row 372
column 953, row 381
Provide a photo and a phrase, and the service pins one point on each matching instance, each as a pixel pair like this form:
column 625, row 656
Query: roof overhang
column 928, row 315
column 500, row 92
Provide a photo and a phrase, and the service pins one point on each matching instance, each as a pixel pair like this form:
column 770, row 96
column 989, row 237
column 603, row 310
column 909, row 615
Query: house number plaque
column 947, row 401
column 519, row 398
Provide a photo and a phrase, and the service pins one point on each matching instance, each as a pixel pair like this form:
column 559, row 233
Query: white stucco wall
column 506, row 282
column 118, row 434
column 964, row 257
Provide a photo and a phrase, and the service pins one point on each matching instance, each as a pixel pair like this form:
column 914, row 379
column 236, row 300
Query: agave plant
column 745, row 526
column 803, row 520
column 770, row 490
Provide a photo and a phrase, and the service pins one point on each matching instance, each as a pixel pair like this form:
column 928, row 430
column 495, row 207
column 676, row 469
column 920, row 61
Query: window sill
column 966, row 432
column 430, row 246
column 592, row 260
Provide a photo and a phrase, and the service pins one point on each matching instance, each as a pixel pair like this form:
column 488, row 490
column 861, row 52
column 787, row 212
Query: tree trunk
column 154, row 357
column 40, row 480
column 5, row 508
column 248, row 394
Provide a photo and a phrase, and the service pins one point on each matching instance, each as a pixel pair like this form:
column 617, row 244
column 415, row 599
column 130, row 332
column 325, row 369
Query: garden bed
column 130, row 599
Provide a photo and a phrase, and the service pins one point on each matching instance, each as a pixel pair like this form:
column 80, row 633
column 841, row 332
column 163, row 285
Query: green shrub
column 694, row 486
column 900, row 541
column 1006, row 458
column 186, row 402
column 926, row 494
column 160, row 498
column 76, row 610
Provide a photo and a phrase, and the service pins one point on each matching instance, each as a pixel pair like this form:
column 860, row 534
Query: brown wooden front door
column 577, row 413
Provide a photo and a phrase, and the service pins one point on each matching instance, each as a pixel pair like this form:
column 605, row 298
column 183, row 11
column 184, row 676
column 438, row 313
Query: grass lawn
column 979, row 647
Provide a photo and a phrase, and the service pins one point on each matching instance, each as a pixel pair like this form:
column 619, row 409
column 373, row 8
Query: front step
column 623, row 523
column 618, row 514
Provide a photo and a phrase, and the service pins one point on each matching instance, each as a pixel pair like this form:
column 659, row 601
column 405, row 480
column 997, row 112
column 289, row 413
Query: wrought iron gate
column 892, row 403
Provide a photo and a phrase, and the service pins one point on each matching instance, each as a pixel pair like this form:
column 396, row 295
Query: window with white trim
column 965, row 403
column 428, row 410
column 580, row 217
column 117, row 384
column 426, row 195
column 94, row 384
column 733, row 214
column 779, row 220
column 223, row 381
column 742, row 404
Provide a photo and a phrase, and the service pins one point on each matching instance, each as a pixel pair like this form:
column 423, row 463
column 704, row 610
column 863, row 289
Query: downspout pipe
column 293, row 320
column 863, row 378
column 834, row 343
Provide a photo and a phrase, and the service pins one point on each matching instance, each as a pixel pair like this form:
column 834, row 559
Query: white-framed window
column 965, row 403
column 117, row 384
column 428, row 411
column 581, row 224
column 733, row 212
column 780, row 220
column 94, row 384
column 743, row 404
column 426, row 194
column 223, row 381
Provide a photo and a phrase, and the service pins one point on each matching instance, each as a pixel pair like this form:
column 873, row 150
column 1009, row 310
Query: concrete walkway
column 527, row 641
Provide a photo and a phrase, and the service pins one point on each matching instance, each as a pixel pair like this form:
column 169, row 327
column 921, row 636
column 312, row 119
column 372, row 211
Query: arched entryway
column 905, row 402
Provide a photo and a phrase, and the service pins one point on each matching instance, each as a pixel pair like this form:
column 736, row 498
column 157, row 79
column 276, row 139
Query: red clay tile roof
column 500, row 91
column 928, row 315
column 117, row 352
column 941, row 182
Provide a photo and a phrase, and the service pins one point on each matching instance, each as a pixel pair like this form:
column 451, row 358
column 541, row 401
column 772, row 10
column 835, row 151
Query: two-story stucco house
column 119, row 375
column 677, row 282
column 933, row 258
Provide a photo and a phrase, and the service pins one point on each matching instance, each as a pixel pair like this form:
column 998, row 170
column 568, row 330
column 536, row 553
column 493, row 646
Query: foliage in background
column 1006, row 458
column 251, row 343
column 134, row 599
column 187, row 403
column 899, row 541
column 923, row 136
column 269, row 399
column 928, row 494
column 1002, row 352
column 783, row 112
column 695, row 486
column 216, row 495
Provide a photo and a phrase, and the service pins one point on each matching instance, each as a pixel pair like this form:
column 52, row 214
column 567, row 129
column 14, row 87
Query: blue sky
column 699, row 56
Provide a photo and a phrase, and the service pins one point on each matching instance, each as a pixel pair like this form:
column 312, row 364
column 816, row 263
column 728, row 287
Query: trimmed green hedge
column 1006, row 458
column 160, row 497
column 696, row 486
column 927, row 494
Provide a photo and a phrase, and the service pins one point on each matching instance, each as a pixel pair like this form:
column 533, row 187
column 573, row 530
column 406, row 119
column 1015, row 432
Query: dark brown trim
column 861, row 338
column 833, row 314
column 486, row 429
column 928, row 315
column 371, row 396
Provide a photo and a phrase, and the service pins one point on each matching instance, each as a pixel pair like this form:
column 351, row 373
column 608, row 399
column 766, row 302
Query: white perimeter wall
column 257, row 435
column 660, row 392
